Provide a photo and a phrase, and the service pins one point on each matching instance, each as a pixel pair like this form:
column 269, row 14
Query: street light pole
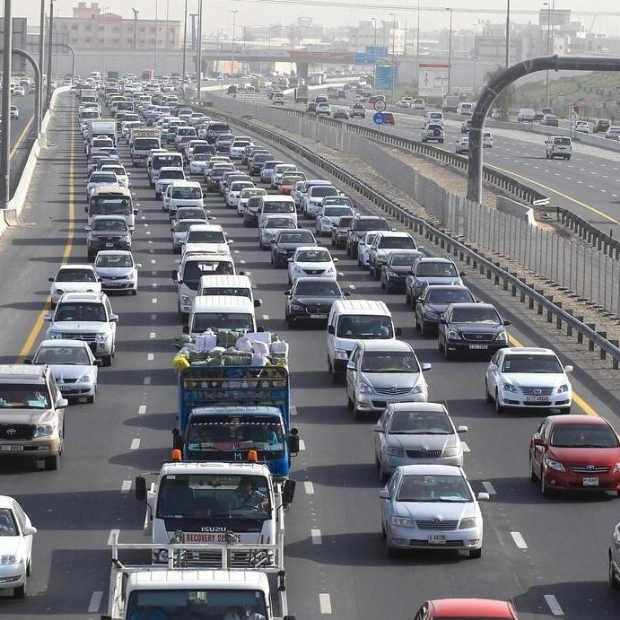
column 105, row 36
column 548, row 5
column 417, row 43
column 199, row 53
column 450, row 54
column 156, row 32
column 5, row 160
column 374, row 69
column 184, row 50
column 507, row 33
column 48, row 94
column 232, row 64
column 42, row 59
column 393, row 15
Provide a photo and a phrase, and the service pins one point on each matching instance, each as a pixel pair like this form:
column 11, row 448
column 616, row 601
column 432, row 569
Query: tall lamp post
column 105, row 36
column 184, row 50
column 507, row 33
column 374, row 68
column 548, row 5
column 5, row 185
column 156, row 32
column 393, row 16
column 42, row 57
column 48, row 92
column 232, row 64
column 450, row 53
column 417, row 43
column 199, row 53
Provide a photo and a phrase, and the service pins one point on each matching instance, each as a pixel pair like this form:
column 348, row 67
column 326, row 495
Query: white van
column 558, row 146
column 238, row 286
column 111, row 200
column 465, row 109
column 276, row 205
column 433, row 117
column 221, row 312
column 351, row 320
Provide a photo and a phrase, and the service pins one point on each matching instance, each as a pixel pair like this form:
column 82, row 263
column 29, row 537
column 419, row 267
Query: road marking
column 112, row 534
column 518, row 540
column 38, row 324
column 293, row 410
column 95, row 602
column 148, row 232
column 265, row 317
column 309, row 488
column 126, row 486
column 554, row 606
column 154, row 300
column 465, row 447
column 135, row 444
column 489, row 488
column 141, row 409
column 325, row 603
column 152, row 335
column 150, row 357
column 153, row 261
column 147, row 380
column 352, row 287
column 580, row 402
column 315, row 534
column 302, row 445
column 242, row 262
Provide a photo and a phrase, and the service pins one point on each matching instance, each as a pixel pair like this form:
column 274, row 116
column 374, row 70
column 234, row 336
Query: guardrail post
column 549, row 312
column 592, row 326
column 569, row 327
column 558, row 323
column 615, row 361
column 540, row 306
column 580, row 334
column 522, row 297
column 603, row 354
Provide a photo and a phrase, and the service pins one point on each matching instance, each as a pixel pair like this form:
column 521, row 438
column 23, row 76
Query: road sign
column 380, row 105
column 378, row 118
column 385, row 77
column 433, row 80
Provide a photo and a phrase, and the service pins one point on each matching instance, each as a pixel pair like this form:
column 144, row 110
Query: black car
column 601, row 125
column 340, row 231
column 396, row 267
column 361, row 225
column 107, row 232
column 286, row 242
column 432, row 303
column 471, row 329
column 250, row 215
column 311, row 299
column 256, row 163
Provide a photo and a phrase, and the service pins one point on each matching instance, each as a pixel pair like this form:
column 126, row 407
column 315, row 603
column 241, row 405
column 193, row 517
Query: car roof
column 219, row 303
column 207, row 227
column 430, row 469
column 566, row 420
column 77, row 266
column 465, row 607
column 113, row 253
column 64, row 342
column 109, row 217
column 474, row 304
column 418, row 407
column 74, row 297
column 527, row 350
column 387, row 346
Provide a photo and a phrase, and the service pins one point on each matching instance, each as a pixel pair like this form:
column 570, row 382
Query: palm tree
column 505, row 100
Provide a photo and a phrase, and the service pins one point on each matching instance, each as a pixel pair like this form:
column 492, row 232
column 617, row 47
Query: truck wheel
column 51, row 463
column 107, row 360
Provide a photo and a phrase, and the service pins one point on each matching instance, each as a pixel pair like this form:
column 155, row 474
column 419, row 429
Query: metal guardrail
column 544, row 303
column 589, row 233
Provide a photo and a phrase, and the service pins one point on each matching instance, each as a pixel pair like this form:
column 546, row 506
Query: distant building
column 93, row 28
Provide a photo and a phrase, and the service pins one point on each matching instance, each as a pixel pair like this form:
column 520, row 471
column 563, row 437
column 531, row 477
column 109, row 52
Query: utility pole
column 507, row 33
column 184, row 49
column 135, row 28
column 232, row 64
column 156, row 32
column 199, row 68
column 48, row 93
column 42, row 59
column 5, row 160
column 193, row 16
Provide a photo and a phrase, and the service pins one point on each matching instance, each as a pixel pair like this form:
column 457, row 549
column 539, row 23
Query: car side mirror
column 287, row 293
column 290, row 260
column 377, row 428
column 98, row 363
column 186, row 329
column 61, row 403
column 50, row 279
column 462, row 274
column 87, row 228
column 330, row 330
column 384, row 494
column 350, row 365
column 347, row 293
column 426, row 366
column 258, row 303
column 483, row 496
column 398, row 331
column 114, row 318
column 140, row 491
column 568, row 368
column 29, row 530
column 47, row 318
column 506, row 323
column 539, row 441
column 86, row 209
column 28, row 360
column 175, row 275
column 443, row 322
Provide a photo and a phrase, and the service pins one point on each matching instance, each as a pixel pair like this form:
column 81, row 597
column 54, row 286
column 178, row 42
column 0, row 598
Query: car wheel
column 487, row 394
column 544, row 489
column 446, row 353
column 439, row 344
column 390, row 552
column 533, row 476
column 423, row 328
column 613, row 581
column 499, row 409
column 568, row 157
column 51, row 463
column 382, row 283
column 20, row 593
column 474, row 554
column 383, row 533
column 330, row 368
column 91, row 399
column 290, row 322
column 377, row 462
column 29, row 568
column 412, row 302
column 107, row 361
column 91, row 256
column 350, row 402
column 407, row 299
column 387, row 287
column 565, row 410
column 336, row 377
column 383, row 475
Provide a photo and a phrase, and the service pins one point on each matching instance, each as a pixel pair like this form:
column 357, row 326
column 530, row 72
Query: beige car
column 33, row 413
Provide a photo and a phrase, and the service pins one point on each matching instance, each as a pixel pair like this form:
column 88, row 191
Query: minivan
column 558, row 146
column 237, row 285
column 231, row 313
column 465, row 109
column 184, row 194
column 351, row 320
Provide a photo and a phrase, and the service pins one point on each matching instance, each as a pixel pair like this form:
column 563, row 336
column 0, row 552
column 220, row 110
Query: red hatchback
column 466, row 609
column 575, row 453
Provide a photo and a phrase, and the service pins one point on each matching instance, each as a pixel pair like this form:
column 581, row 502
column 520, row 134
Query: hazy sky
column 217, row 13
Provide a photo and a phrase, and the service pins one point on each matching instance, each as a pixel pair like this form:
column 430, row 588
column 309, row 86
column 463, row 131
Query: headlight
column 418, row 388
column 330, row 270
column 341, row 354
column 563, row 388
column 85, row 378
column 58, row 291
column 453, row 334
column 395, row 451
column 365, row 388
column 54, row 335
column 468, row 523
column 508, row 387
column 452, row 451
column 403, row 522
column 44, row 430
column 555, row 465
column 6, row 560
column 101, row 337
column 501, row 337
column 185, row 300
column 296, row 307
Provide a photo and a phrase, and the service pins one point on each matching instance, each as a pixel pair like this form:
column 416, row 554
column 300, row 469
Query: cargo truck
column 98, row 127
column 141, row 142
column 451, row 103
column 301, row 94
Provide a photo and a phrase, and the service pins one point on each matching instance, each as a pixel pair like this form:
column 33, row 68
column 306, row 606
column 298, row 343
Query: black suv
column 311, row 299
column 357, row 109
column 340, row 231
column 601, row 126
column 361, row 225
column 107, row 232
column 432, row 303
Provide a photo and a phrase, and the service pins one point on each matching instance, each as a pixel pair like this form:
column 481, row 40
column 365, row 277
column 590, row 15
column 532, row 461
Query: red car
column 389, row 118
column 466, row 609
column 575, row 453
column 288, row 183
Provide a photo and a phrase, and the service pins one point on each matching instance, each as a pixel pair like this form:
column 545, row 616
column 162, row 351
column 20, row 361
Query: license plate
column 113, row 284
column 10, row 448
column 318, row 316
column 64, row 388
column 204, row 538
column 479, row 347
column 536, row 399
column 436, row 539
column 590, row 482
column 109, row 245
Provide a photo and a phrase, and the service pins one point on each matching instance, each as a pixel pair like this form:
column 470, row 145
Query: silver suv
column 433, row 133
column 88, row 317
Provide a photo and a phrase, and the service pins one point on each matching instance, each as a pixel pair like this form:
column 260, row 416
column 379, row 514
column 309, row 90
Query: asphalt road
column 22, row 137
column 546, row 554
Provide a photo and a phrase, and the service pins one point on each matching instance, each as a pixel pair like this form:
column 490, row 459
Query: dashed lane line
column 518, row 540
column 553, row 604
column 95, row 602
column 489, row 488
column 309, row 488
column 325, row 603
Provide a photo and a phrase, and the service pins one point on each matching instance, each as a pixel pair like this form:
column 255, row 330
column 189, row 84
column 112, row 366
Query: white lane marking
column 153, row 261
column 489, row 488
column 465, row 447
column 154, row 284
column 154, row 300
column 518, row 540
column 150, row 357
column 126, row 486
column 302, row 445
column 315, row 534
column 236, row 251
column 293, row 410
column 152, row 335
column 554, row 606
column 135, row 444
column 265, row 317
column 242, row 262
column 309, row 488
column 147, row 380
column 141, row 409
column 325, row 603
column 604, row 191
column 148, row 232
column 142, row 216
column 95, row 602
column 352, row 287
column 111, row 536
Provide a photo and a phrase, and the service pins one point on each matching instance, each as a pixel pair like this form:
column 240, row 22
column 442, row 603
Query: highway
column 546, row 554
column 22, row 136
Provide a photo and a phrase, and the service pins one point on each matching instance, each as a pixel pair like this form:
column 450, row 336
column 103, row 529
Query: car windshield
column 584, row 436
column 278, row 207
column 363, row 225
column 201, row 157
column 296, row 237
column 323, row 190
column 194, row 269
column 74, row 311
column 115, row 170
column 280, row 222
column 233, row 321
column 250, row 191
column 23, row 396
column 397, row 242
column 113, row 260
column 187, row 193
column 546, row 364
column 562, row 141
column 102, row 177
column 109, row 224
column 365, row 327
column 448, row 296
column 290, row 180
column 403, row 260
column 437, row 270
column 313, row 256
column 206, row 236
column 76, row 275
column 336, row 211
column 191, row 214
column 487, row 316
column 234, row 291
column 317, row 288
column 420, row 423
column 108, row 204
column 237, row 186
column 383, row 361
column 51, row 354
column 171, row 174
column 436, row 488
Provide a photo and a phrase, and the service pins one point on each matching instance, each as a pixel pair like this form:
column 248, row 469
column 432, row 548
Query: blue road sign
column 364, row 59
column 378, row 118
column 385, row 77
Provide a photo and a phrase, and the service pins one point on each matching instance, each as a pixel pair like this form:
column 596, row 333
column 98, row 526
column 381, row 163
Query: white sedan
column 117, row 271
column 268, row 231
column 311, row 261
column 122, row 175
column 521, row 378
column 582, row 126
column 74, row 279
column 234, row 191
column 73, row 365
column 462, row 145
column 16, row 532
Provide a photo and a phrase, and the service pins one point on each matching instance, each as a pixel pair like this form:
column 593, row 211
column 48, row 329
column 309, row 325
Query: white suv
column 88, row 317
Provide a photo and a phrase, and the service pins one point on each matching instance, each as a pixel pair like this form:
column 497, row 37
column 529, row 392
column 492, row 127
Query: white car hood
column 115, row 272
column 62, row 372
column 445, row 511
column 390, row 379
column 420, row 442
column 78, row 326
column 540, row 380
column 313, row 266
column 78, row 287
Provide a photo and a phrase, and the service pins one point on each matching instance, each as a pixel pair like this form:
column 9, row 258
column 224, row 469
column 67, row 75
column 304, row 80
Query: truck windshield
column 207, row 603
column 110, row 205
column 195, row 269
column 146, row 144
column 233, row 321
column 196, row 496
column 213, row 436
column 235, row 291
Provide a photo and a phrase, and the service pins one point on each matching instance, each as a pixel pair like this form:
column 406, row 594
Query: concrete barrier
column 512, row 207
